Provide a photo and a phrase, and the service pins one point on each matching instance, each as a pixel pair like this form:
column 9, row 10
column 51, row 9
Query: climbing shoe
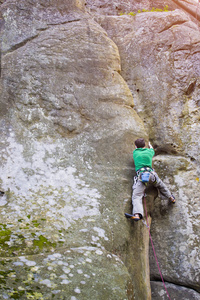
column 172, row 199
column 132, row 217
column 135, row 218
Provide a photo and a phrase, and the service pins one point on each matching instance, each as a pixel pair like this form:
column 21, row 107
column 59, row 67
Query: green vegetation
column 3, row 277
column 25, row 239
column 15, row 294
column 42, row 242
column 5, row 236
column 146, row 10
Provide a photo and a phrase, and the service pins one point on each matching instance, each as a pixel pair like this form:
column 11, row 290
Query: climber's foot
column 135, row 217
column 172, row 199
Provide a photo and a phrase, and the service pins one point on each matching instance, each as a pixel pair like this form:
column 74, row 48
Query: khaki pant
column 138, row 192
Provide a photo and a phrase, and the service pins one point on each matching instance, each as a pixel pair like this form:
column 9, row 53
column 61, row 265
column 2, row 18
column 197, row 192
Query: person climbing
column 145, row 174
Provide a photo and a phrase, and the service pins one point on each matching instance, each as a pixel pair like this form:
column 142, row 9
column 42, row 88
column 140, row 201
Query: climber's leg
column 137, row 196
column 163, row 188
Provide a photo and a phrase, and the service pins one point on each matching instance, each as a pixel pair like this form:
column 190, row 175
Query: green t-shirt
column 143, row 157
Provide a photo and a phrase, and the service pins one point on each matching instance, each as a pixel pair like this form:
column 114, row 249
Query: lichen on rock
column 76, row 90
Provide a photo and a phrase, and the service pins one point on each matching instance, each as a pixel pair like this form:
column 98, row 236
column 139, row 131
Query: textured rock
column 160, row 63
column 190, row 6
column 67, row 128
column 156, row 57
column 115, row 7
column 176, row 292
column 175, row 228
column 23, row 21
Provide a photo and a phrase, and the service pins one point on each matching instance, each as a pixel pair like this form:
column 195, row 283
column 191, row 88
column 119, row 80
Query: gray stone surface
column 115, row 7
column 67, row 128
column 75, row 94
column 160, row 63
column 175, row 228
column 174, row 291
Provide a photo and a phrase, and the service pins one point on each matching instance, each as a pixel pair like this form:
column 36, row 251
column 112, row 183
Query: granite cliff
column 79, row 83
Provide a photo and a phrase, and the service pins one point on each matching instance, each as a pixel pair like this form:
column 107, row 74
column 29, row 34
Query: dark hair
column 140, row 143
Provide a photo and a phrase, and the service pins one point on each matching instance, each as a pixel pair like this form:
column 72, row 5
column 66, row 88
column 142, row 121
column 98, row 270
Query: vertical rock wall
column 116, row 7
column 67, row 128
column 76, row 91
column 160, row 63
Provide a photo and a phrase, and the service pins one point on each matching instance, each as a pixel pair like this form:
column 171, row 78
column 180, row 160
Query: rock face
column 115, row 7
column 75, row 93
column 66, row 115
column 160, row 63
column 165, row 62
column 177, row 292
column 190, row 6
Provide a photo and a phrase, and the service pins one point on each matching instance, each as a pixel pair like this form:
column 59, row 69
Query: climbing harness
column 147, row 225
column 144, row 174
column 144, row 169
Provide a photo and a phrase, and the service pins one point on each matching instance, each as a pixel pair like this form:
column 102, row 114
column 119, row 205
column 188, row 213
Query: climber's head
column 140, row 143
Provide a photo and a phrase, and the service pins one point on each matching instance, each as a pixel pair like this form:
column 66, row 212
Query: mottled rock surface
column 160, row 52
column 176, row 292
column 66, row 118
column 191, row 6
column 76, row 91
column 176, row 231
column 115, row 7
column 160, row 62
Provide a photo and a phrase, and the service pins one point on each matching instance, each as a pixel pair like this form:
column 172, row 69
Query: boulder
column 160, row 63
column 77, row 89
column 177, row 292
column 190, row 6
column 175, row 227
column 116, row 7
column 68, row 128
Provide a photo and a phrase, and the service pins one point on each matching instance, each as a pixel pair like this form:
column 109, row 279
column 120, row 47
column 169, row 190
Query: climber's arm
column 150, row 146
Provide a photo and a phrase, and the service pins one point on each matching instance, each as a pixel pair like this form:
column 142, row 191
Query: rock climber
column 145, row 174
